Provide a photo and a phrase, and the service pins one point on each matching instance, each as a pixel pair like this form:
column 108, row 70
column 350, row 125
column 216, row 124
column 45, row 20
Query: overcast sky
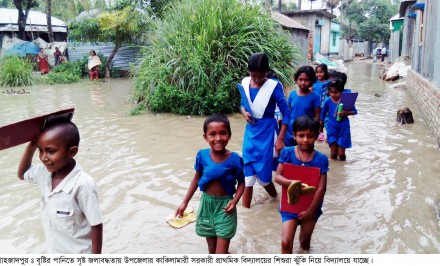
column 318, row 4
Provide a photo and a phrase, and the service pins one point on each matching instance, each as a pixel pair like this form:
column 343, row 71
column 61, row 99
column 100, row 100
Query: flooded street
column 384, row 199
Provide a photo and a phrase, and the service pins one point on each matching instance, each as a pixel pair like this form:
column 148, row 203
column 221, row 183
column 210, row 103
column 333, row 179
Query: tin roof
column 36, row 19
column 403, row 5
column 287, row 22
column 322, row 12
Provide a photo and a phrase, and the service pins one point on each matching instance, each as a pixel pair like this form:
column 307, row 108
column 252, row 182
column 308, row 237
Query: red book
column 28, row 130
column 306, row 174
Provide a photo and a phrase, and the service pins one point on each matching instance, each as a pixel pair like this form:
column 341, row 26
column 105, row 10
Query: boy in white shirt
column 69, row 203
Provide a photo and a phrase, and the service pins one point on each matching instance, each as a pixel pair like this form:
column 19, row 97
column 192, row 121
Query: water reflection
column 384, row 199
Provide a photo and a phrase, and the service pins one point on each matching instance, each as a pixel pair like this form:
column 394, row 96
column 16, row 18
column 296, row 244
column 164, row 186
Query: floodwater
column 384, row 199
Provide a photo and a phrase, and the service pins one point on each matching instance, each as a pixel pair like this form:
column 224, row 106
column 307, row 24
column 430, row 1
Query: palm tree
column 49, row 20
column 332, row 4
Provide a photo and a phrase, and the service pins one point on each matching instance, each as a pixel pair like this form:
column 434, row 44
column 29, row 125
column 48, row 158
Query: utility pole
column 311, row 4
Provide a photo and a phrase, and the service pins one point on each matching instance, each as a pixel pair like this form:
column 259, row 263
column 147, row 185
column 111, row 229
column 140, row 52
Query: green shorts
column 212, row 220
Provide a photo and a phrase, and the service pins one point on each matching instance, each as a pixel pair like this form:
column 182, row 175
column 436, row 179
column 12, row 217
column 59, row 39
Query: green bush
column 62, row 78
column 200, row 49
column 80, row 68
column 16, row 71
column 76, row 68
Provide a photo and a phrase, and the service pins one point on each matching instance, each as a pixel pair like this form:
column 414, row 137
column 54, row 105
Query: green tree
column 68, row 9
column 371, row 18
column 23, row 7
column 200, row 49
column 332, row 4
column 125, row 26
column 281, row 6
column 4, row 3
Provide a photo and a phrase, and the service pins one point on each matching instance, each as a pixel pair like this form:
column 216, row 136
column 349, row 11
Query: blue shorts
column 287, row 216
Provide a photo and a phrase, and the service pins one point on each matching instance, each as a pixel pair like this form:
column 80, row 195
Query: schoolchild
column 332, row 74
column 306, row 131
column 302, row 101
column 379, row 53
column 320, row 87
column 343, row 77
column 260, row 142
column 218, row 171
column 69, row 204
column 338, row 132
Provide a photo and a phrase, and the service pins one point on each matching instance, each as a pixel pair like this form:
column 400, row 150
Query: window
column 334, row 39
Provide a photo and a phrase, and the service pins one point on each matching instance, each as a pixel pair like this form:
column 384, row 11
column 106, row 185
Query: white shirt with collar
column 69, row 210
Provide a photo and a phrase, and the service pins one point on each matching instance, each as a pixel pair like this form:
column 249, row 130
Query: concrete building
column 395, row 43
column 320, row 24
column 420, row 30
column 407, row 30
column 334, row 38
column 299, row 33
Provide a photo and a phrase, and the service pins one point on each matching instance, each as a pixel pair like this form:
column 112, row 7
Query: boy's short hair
column 306, row 122
column 69, row 132
column 217, row 118
column 337, row 83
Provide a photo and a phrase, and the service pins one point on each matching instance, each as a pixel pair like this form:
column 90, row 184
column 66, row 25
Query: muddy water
column 384, row 199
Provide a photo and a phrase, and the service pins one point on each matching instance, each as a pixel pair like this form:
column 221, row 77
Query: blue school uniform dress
column 319, row 160
column 299, row 106
column 258, row 140
column 229, row 172
column 212, row 220
column 321, row 88
column 337, row 131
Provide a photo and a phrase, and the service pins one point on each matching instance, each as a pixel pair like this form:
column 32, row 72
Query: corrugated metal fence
column 126, row 55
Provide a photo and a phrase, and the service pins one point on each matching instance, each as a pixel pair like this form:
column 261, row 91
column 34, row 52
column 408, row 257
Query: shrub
column 200, row 49
column 80, row 68
column 76, row 68
column 62, row 78
column 16, row 71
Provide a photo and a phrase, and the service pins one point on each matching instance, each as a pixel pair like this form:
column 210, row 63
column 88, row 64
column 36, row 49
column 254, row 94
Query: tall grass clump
column 200, row 49
column 15, row 71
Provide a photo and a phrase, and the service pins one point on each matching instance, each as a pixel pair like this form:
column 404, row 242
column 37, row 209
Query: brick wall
column 426, row 97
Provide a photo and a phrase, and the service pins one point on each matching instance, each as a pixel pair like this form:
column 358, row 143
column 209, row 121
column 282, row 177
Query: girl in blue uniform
column 306, row 131
column 338, row 132
column 218, row 170
column 320, row 87
column 260, row 138
column 302, row 101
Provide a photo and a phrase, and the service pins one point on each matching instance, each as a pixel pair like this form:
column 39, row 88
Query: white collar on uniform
column 69, row 181
column 260, row 102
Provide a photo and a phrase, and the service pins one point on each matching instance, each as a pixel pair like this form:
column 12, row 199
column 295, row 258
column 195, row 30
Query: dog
column 405, row 116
